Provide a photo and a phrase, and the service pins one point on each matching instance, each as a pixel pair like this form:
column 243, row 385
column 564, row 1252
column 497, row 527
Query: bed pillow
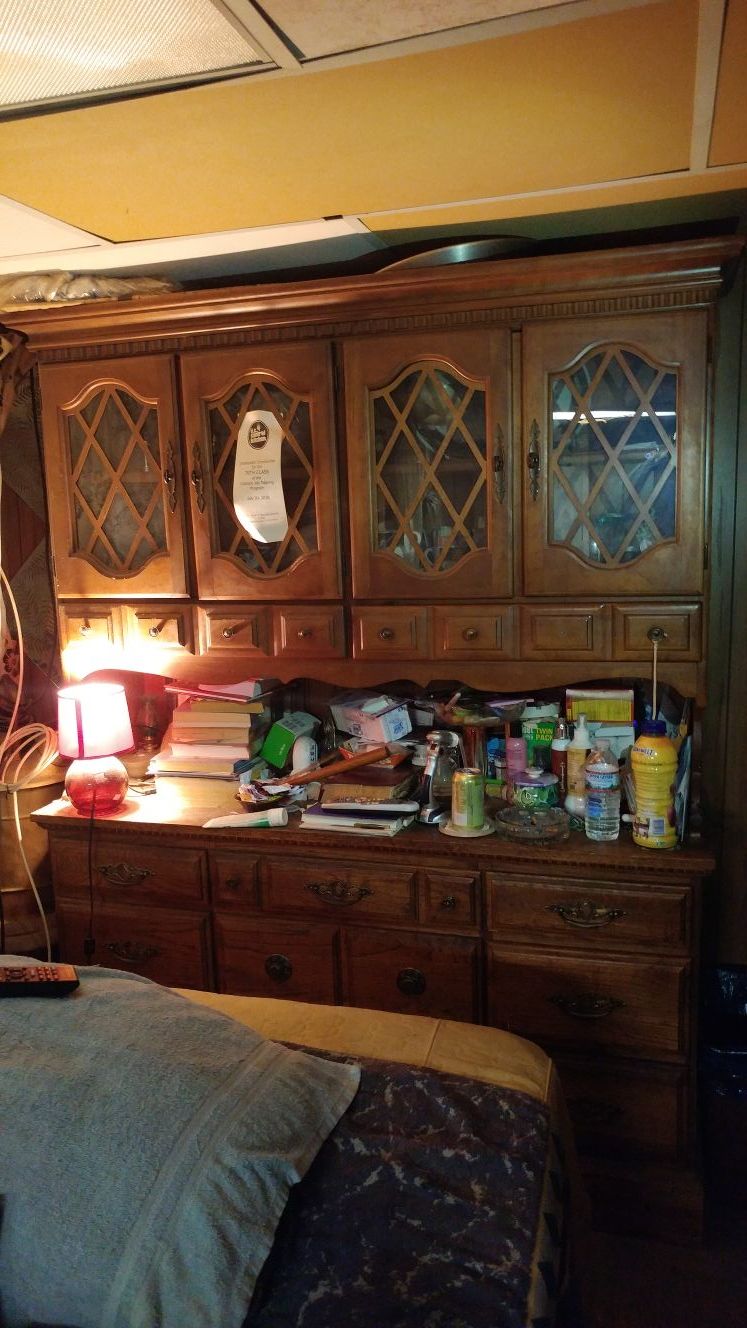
column 149, row 1147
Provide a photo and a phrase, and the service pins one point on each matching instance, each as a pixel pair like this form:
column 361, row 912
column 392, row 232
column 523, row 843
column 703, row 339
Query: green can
column 468, row 799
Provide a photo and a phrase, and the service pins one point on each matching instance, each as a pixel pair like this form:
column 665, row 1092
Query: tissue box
column 378, row 718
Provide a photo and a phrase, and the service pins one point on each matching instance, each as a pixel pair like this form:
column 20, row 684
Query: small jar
column 535, row 788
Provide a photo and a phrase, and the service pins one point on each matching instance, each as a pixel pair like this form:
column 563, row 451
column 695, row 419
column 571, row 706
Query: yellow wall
column 605, row 99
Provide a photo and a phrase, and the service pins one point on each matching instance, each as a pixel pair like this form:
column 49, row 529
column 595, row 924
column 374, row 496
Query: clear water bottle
column 602, row 814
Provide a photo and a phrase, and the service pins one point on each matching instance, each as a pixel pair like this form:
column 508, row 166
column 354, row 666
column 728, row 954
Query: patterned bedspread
column 437, row 1201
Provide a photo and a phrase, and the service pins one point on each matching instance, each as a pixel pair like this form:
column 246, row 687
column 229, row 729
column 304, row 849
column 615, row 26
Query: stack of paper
column 359, row 819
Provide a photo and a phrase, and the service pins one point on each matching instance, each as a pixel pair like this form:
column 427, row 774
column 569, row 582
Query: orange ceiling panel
column 606, row 98
column 729, row 135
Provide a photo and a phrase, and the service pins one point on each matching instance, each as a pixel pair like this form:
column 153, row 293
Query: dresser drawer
column 552, row 632
column 412, row 973
column 677, row 627
column 391, row 632
column 592, row 915
column 128, row 873
column 615, row 1005
column 480, row 632
column 233, row 629
column 235, row 878
column 630, row 1107
column 309, row 632
column 169, row 946
column 450, row 899
column 335, row 889
column 164, row 625
column 292, row 960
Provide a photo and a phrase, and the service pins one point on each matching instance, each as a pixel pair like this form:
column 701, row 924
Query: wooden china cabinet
column 495, row 473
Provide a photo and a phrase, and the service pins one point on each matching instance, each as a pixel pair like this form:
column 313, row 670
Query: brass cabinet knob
column 278, row 967
column 303, row 633
column 470, row 633
column 154, row 631
column 228, row 632
column 386, row 634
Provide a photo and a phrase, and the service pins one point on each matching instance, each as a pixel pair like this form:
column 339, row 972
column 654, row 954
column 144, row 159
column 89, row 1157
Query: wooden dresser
column 589, row 949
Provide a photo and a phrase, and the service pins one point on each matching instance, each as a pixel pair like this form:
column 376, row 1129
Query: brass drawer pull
column 587, row 1006
column 278, row 967
column 228, row 632
column 411, row 981
column 122, row 873
column 656, row 635
column 86, row 629
column 533, row 461
column 131, row 953
column 232, row 882
column 386, row 634
column 449, row 901
column 586, row 914
column 156, row 631
column 303, row 633
column 338, row 892
column 470, row 633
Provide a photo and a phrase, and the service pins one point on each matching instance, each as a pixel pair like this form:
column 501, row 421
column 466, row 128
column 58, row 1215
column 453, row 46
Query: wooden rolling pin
column 314, row 772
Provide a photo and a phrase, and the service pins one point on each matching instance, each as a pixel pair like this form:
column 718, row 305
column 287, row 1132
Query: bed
column 179, row 1159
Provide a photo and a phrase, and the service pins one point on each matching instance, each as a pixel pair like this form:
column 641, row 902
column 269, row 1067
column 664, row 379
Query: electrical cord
column 24, row 753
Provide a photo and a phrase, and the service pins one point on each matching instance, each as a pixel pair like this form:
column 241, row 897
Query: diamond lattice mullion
column 293, row 532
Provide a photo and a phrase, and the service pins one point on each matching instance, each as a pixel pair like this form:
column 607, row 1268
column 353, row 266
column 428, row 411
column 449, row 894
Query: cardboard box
column 366, row 715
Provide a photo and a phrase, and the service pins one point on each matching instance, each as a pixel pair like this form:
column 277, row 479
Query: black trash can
column 722, row 1068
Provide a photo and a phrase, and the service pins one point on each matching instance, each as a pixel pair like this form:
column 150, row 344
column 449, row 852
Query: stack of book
column 370, row 783
column 369, row 800
column 209, row 737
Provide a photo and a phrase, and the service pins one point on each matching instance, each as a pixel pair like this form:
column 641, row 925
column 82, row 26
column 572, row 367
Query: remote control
column 38, row 980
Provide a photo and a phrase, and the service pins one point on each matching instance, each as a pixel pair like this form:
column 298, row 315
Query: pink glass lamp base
column 96, row 785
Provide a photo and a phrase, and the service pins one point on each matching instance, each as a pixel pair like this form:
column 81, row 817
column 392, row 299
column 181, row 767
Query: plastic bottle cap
column 654, row 726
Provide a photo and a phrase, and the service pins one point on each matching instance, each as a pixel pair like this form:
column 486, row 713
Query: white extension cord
column 24, row 753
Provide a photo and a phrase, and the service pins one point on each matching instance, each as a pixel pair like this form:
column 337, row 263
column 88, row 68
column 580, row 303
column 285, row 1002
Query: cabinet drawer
column 549, row 631
column 451, row 899
column 129, row 873
column 681, row 625
column 313, row 633
column 234, row 629
column 337, row 890
column 392, row 632
column 164, row 625
column 411, row 973
column 287, row 959
column 615, row 1005
column 90, row 624
column 591, row 915
column 167, row 945
column 627, row 1107
column 481, row 632
column 235, row 878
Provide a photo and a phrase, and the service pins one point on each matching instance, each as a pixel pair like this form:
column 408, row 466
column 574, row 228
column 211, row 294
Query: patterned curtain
column 23, row 546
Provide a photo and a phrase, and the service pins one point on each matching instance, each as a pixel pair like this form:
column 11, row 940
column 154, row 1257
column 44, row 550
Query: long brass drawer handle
column 499, row 466
column 278, row 967
column 584, row 913
column 533, row 461
column 196, row 478
column 587, row 1006
column 411, row 981
column 123, row 873
column 131, row 953
column 169, row 477
column 338, row 892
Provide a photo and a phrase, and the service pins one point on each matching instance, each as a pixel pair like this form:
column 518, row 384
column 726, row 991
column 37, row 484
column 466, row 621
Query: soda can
column 468, row 799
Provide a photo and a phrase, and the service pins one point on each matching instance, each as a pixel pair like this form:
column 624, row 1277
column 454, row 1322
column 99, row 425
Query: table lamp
column 93, row 725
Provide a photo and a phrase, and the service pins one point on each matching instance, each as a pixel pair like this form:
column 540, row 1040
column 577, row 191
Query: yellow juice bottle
column 653, row 759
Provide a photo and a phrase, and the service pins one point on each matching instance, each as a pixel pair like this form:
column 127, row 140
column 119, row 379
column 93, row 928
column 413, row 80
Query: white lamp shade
column 93, row 720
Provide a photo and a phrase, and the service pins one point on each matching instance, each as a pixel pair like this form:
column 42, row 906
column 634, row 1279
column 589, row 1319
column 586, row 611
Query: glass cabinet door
column 289, row 387
column 113, row 476
column 427, row 433
column 614, row 445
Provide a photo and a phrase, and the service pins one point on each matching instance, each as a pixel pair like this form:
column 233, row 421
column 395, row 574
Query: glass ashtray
column 534, row 825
